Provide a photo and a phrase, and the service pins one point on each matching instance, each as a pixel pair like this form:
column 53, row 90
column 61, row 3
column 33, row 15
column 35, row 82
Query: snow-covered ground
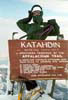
column 6, row 97
column 62, row 82
column 60, row 91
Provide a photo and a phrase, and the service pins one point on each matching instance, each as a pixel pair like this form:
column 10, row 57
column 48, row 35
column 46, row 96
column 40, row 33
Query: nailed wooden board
column 38, row 59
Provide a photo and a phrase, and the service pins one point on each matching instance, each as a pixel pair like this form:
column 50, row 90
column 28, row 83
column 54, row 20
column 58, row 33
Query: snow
column 61, row 84
column 6, row 97
column 3, row 66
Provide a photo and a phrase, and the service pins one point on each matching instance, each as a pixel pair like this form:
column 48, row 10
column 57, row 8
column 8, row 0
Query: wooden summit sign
column 38, row 59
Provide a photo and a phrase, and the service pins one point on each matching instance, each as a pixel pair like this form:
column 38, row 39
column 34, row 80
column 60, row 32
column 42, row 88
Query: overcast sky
column 13, row 10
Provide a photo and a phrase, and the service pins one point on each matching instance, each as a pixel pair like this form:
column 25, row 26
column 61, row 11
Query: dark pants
column 30, row 84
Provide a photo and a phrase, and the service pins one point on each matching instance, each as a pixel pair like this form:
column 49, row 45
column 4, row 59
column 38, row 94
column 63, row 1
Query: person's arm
column 56, row 29
column 23, row 23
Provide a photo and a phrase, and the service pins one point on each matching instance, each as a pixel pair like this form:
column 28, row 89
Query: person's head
column 37, row 14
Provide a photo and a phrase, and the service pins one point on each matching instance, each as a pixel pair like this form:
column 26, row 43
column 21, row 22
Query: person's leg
column 30, row 84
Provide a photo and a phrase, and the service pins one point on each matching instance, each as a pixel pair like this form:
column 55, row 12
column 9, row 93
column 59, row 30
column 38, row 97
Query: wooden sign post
column 38, row 59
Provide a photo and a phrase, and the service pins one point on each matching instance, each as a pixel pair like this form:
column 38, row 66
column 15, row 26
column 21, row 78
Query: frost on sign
column 38, row 59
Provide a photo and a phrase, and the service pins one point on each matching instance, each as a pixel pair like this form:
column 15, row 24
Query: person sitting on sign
column 38, row 30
